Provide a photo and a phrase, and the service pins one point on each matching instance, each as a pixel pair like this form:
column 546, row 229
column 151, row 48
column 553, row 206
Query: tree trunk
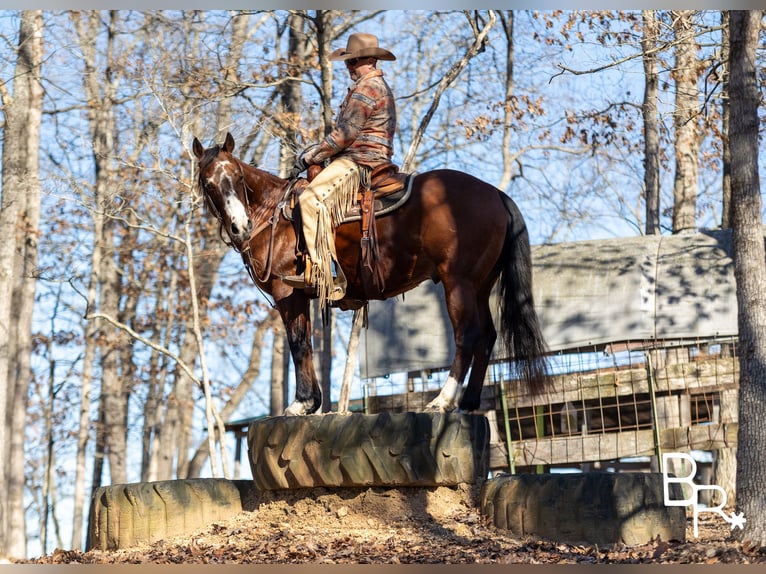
column 290, row 93
column 278, row 394
column 19, row 222
column 100, row 88
column 166, row 297
column 89, row 359
column 26, row 266
column 323, row 327
column 685, row 115
column 750, row 272
column 506, row 19
column 651, row 123
column 725, row 459
column 725, row 148
column 325, row 36
column 113, row 386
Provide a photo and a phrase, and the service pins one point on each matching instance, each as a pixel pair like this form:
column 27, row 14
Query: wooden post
column 655, row 422
column 348, row 373
column 725, row 459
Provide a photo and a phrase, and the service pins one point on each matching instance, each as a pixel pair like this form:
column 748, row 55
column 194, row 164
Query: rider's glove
column 298, row 167
column 301, row 163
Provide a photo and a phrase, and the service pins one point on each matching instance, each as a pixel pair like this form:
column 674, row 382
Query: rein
column 271, row 222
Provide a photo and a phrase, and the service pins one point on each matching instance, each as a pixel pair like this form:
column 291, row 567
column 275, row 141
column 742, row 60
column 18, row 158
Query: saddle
column 389, row 189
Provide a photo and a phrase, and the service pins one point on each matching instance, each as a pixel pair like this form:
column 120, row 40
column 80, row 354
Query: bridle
column 258, row 226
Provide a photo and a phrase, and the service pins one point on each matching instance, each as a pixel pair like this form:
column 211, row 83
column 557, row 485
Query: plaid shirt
column 364, row 128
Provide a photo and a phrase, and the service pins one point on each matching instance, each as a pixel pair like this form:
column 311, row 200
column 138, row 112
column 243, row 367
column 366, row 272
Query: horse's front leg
column 295, row 315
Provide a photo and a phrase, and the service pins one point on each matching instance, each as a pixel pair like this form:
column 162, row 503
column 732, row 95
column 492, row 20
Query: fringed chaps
column 323, row 204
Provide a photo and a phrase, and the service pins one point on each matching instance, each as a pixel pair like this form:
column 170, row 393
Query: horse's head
column 222, row 182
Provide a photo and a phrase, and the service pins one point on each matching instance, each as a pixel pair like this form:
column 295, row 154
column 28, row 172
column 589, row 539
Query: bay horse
column 454, row 228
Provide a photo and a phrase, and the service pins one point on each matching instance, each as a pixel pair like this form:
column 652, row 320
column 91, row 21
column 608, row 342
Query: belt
column 375, row 139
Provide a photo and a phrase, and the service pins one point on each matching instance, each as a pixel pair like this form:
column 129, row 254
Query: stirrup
column 336, row 293
column 296, row 282
column 302, row 281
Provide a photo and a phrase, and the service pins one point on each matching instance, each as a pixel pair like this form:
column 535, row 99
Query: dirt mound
column 392, row 526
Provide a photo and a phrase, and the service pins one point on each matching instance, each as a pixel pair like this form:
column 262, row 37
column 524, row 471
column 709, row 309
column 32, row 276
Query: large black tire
column 591, row 508
column 404, row 449
column 124, row 515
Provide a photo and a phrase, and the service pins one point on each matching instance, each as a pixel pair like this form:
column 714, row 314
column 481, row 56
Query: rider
column 361, row 139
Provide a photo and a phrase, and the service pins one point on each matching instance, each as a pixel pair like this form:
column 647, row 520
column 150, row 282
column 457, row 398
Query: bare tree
column 651, row 119
column 100, row 86
column 89, row 365
column 481, row 29
column 19, row 221
column 750, row 273
column 725, row 459
column 726, row 149
column 506, row 20
column 290, row 93
column 280, row 369
column 206, row 277
column 685, row 119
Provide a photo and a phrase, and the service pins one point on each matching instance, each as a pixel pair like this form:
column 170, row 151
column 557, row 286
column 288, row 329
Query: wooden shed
column 642, row 334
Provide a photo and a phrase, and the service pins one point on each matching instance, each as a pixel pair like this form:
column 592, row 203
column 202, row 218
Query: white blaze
column 233, row 206
column 236, row 212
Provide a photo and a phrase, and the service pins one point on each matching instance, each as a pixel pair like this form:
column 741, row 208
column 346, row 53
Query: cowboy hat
column 362, row 45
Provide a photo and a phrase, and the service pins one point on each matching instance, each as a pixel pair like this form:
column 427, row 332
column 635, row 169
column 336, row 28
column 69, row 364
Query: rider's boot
column 305, row 282
column 302, row 281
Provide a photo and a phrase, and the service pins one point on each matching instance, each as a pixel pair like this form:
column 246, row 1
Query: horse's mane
column 210, row 154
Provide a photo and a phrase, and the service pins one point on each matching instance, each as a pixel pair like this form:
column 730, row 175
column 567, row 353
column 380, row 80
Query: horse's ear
column 197, row 148
column 228, row 144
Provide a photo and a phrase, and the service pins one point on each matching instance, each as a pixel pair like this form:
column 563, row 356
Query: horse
column 454, row 229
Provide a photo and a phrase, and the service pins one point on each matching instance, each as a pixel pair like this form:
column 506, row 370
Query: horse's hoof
column 295, row 410
column 436, row 407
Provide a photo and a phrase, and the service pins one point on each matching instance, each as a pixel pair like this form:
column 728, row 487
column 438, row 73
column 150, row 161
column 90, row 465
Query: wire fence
column 605, row 403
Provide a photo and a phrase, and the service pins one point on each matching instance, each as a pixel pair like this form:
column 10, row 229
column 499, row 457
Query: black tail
column 519, row 324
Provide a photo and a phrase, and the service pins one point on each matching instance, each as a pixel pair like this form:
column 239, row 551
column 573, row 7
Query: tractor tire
column 403, row 449
column 124, row 515
column 591, row 508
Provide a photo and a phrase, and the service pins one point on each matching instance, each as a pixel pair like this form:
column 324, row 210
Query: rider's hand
column 298, row 167
column 303, row 161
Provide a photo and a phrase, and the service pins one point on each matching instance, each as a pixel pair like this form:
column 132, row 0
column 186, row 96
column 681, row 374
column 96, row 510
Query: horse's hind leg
column 461, row 307
column 482, row 352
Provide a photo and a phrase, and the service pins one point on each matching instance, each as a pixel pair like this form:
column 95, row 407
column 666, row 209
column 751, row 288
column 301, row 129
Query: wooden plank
column 611, row 446
column 692, row 377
